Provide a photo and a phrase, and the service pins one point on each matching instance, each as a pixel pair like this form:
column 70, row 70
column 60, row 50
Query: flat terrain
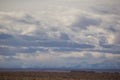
column 73, row 75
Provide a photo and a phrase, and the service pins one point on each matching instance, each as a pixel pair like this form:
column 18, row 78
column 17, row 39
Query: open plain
column 73, row 75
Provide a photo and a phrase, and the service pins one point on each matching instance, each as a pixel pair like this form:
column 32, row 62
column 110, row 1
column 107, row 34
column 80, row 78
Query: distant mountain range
column 58, row 69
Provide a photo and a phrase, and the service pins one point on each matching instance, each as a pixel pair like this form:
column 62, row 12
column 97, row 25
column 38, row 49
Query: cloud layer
column 62, row 37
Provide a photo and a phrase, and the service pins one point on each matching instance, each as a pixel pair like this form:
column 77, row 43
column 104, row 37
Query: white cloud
column 112, row 56
column 73, row 54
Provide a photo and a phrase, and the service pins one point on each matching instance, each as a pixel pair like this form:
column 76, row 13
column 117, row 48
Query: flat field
column 73, row 75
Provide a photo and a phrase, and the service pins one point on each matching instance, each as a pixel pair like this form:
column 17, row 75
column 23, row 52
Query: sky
column 75, row 34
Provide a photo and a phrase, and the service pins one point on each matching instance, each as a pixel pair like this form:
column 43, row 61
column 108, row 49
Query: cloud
column 5, row 36
column 85, row 21
column 70, row 60
column 7, row 51
column 117, row 38
column 70, row 33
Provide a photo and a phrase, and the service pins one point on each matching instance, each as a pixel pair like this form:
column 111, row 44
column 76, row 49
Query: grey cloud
column 5, row 36
column 24, row 19
column 64, row 36
column 7, row 51
column 108, row 46
column 106, row 10
column 85, row 21
column 31, row 50
column 112, row 28
column 63, row 49
column 33, row 42
column 104, row 51
column 28, row 19
column 38, row 41
column 32, row 38
column 41, row 37
column 47, row 43
column 117, row 38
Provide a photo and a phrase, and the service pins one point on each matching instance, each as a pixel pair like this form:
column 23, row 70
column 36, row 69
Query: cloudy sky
column 60, row 34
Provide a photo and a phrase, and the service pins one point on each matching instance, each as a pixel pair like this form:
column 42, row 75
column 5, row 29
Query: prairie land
column 73, row 75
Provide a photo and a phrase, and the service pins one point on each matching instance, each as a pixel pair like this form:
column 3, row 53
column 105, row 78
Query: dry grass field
column 81, row 75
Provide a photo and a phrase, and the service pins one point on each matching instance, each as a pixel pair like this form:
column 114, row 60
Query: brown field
column 81, row 75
